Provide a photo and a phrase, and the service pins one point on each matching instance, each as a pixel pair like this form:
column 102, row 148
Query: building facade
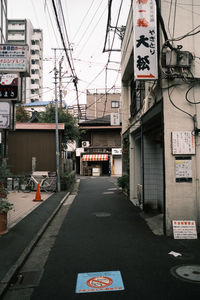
column 161, row 117
column 100, row 104
column 21, row 31
column 100, row 152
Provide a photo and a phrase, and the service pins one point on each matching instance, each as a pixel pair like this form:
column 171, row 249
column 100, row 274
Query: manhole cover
column 189, row 273
column 102, row 214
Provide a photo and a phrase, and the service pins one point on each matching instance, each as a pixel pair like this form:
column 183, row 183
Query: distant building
column 100, row 103
column 100, row 152
column 77, row 112
column 21, row 31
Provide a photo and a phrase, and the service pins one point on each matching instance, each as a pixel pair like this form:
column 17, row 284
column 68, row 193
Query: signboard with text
column 13, row 58
column 183, row 142
column 9, row 86
column 145, row 40
column 183, row 229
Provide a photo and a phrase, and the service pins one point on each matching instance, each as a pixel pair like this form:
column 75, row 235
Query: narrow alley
column 105, row 250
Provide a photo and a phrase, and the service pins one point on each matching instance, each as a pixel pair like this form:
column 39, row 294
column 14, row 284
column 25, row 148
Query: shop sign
column 4, row 115
column 114, row 119
column 145, row 40
column 13, row 58
column 9, row 86
column 79, row 151
column 116, row 151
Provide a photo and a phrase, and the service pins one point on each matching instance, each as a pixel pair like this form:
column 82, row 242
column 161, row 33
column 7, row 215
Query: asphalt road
column 103, row 232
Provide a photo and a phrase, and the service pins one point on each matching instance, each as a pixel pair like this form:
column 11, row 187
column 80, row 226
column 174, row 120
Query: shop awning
column 94, row 157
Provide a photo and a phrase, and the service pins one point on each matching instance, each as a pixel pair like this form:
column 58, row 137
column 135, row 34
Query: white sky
column 86, row 22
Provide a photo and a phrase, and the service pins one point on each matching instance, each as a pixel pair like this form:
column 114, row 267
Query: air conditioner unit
column 85, row 144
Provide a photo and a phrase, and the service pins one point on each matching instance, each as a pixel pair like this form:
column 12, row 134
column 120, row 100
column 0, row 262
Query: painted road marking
column 99, row 282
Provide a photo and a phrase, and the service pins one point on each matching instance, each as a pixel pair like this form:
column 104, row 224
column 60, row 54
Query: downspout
column 160, row 21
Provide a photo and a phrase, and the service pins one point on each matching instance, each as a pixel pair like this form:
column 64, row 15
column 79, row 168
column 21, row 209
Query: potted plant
column 5, row 206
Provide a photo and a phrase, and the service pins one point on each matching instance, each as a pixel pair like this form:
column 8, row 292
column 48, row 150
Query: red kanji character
column 142, row 22
column 142, row 1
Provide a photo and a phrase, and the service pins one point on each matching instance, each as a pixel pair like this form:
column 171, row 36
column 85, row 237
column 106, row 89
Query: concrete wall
column 182, row 198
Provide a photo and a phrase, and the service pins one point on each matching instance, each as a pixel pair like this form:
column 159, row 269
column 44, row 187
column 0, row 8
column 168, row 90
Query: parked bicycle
column 47, row 183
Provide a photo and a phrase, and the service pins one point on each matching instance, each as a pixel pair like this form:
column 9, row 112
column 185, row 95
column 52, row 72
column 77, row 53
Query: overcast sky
column 86, row 22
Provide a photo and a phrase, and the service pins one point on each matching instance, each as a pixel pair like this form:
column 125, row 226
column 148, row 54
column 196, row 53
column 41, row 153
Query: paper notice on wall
column 184, row 230
column 183, row 142
column 183, row 169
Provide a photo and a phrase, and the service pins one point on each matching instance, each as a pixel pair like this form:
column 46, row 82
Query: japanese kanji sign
column 13, row 58
column 184, row 229
column 145, row 39
column 183, row 142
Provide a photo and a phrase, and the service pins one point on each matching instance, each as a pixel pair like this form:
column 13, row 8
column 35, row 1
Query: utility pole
column 56, row 118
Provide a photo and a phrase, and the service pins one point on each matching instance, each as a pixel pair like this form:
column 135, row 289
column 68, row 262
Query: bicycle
column 47, row 183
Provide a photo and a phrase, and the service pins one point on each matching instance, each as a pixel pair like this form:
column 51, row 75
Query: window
column 114, row 104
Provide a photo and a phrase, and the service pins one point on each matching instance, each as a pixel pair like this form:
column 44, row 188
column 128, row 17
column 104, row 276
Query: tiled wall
column 153, row 172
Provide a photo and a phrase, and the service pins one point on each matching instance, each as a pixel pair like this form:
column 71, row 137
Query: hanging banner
column 145, row 40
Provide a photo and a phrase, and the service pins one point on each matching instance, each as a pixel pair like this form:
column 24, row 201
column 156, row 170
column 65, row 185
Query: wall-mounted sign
column 145, row 39
column 13, row 58
column 184, row 229
column 183, row 142
column 183, row 169
column 9, row 86
column 4, row 115
column 116, row 151
column 114, row 119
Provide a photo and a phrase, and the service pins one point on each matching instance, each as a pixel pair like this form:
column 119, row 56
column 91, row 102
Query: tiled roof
column 39, row 126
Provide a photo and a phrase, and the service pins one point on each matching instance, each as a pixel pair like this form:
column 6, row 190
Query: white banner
column 145, row 39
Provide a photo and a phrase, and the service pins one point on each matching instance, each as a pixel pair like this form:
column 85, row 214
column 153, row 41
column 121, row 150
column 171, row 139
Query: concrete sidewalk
column 23, row 204
column 26, row 223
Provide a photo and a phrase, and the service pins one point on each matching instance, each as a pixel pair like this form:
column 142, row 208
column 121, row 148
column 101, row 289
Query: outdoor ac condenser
column 85, row 144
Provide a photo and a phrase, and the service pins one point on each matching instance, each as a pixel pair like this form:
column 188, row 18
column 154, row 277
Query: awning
column 94, row 157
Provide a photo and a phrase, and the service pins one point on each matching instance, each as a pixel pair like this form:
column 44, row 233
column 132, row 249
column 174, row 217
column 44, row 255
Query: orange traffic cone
column 37, row 195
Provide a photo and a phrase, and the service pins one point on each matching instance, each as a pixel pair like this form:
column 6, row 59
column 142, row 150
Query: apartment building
column 21, row 31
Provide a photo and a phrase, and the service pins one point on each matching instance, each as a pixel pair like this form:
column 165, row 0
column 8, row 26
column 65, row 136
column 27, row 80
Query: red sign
column 99, row 282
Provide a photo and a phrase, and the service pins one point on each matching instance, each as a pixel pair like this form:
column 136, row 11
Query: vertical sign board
column 114, row 119
column 145, row 40
column 183, row 142
column 4, row 115
column 9, row 87
column 183, row 169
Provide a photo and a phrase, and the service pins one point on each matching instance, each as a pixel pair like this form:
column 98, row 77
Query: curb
column 13, row 270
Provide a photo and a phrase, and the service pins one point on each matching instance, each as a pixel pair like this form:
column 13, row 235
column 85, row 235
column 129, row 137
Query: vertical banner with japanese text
column 145, row 40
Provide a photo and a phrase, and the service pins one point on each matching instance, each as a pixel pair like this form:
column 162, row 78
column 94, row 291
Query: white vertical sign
column 114, row 119
column 145, row 40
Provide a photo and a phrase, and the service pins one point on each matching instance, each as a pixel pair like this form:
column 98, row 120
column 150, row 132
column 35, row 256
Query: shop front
column 95, row 165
